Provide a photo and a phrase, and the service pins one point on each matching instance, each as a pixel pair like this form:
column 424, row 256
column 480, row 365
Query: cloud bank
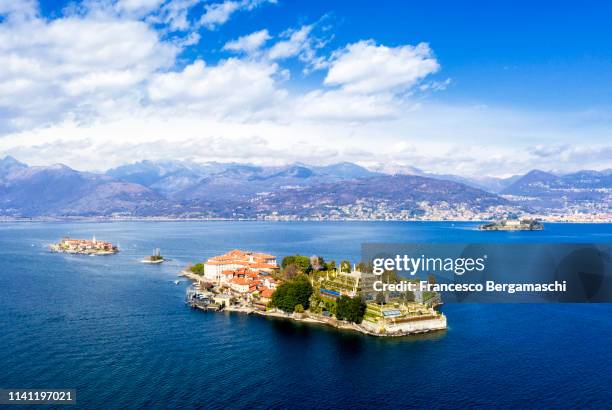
column 108, row 82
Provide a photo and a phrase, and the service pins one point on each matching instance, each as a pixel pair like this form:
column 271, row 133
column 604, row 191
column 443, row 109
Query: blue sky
column 463, row 87
column 539, row 55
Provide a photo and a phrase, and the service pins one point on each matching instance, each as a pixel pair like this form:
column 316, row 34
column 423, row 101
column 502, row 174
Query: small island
column 513, row 225
column 309, row 289
column 84, row 246
column 155, row 258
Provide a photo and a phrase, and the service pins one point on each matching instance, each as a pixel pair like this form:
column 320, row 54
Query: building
column 240, row 285
column 236, row 259
column 265, row 295
column 71, row 245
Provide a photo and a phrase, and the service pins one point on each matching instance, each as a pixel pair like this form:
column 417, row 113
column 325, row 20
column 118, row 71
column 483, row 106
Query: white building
column 236, row 259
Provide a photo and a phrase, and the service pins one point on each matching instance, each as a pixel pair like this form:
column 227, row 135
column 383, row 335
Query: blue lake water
column 119, row 332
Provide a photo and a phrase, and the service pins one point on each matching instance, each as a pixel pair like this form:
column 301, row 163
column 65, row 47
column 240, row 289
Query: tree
column 291, row 271
column 389, row 276
column 298, row 308
column 198, row 269
column 331, row 265
column 362, row 267
column 288, row 260
column 409, row 296
column 301, row 262
column 351, row 309
column 316, row 303
column 292, row 293
column 345, row 266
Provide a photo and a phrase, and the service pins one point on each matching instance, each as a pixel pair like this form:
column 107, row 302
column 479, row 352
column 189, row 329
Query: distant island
column 155, row 258
column 84, row 246
column 513, row 225
column 308, row 289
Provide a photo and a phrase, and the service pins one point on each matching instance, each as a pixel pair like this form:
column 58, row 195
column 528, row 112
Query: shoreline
column 306, row 219
column 104, row 253
column 330, row 322
column 428, row 325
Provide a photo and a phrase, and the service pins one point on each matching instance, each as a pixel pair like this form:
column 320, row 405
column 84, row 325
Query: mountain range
column 234, row 190
column 544, row 190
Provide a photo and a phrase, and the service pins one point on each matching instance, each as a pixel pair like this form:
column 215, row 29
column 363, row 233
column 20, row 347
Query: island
column 513, row 225
column 84, row 246
column 155, row 258
column 309, row 289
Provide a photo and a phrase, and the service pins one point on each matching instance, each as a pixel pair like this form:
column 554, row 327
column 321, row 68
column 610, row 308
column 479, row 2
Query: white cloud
column 217, row 14
column 104, row 85
column 297, row 41
column 302, row 44
column 51, row 68
column 249, row 43
column 365, row 67
column 232, row 87
column 175, row 14
column 441, row 139
column 18, row 10
column 343, row 107
column 138, row 6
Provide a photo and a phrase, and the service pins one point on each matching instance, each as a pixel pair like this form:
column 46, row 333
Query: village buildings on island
column 246, row 281
column 84, row 246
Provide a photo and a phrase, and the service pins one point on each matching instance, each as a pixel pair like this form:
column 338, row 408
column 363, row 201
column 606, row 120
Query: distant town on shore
column 344, row 191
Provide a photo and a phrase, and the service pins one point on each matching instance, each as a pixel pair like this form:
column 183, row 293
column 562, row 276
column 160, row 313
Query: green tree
column 389, row 276
column 330, row 306
column 288, row 260
column 298, row 308
column 345, row 266
column 331, row 265
column 315, row 303
column 292, row 293
column 301, row 262
column 351, row 309
column 198, row 269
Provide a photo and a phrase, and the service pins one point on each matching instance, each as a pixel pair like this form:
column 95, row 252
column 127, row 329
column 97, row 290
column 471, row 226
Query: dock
column 202, row 300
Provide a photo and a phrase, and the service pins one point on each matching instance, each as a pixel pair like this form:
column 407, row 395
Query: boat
column 176, row 282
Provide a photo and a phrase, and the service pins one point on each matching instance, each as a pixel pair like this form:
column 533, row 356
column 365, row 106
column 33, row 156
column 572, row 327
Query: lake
column 118, row 331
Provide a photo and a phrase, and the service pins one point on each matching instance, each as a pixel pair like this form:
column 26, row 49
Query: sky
column 470, row 88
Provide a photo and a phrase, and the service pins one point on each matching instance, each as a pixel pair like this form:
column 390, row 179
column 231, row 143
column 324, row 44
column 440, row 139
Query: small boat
column 176, row 282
